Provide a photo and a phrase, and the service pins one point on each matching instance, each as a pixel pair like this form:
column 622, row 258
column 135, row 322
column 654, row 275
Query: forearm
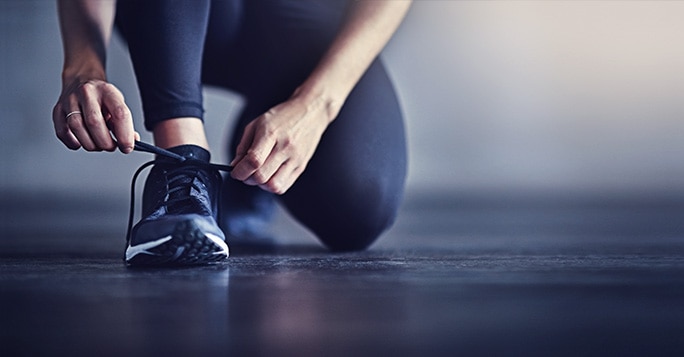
column 86, row 28
column 368, row 28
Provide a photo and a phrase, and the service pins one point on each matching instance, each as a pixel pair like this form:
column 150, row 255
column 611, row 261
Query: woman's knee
column 351, row 217
column 356, row 232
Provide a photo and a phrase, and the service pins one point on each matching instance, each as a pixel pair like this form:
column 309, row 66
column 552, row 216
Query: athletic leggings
column 352, row 187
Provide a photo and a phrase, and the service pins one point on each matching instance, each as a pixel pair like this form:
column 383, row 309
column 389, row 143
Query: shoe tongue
column 191, row 152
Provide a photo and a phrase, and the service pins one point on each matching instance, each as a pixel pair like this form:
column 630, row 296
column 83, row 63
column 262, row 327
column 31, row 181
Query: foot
column 246, row 213
column 179, row 214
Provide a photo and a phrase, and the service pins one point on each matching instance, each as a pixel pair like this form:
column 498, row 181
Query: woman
column 321, row 130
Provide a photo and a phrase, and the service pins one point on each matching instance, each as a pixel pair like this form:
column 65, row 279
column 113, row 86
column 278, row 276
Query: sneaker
column 246, row 214
column 179, row 213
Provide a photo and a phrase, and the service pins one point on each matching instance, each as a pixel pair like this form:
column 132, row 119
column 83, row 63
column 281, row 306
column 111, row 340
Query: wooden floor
column 455, row 276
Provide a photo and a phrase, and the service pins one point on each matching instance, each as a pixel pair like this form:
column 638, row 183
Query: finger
column 252, row 161
column 120, row 120
column 89, row 97
column 269, row 168
column 78, row 129
column 77, row 126
column 257, row 153
column 62, row 130
column 283, row 179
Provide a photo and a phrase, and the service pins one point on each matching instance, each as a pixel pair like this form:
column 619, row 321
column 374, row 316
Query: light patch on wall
column 543, row 94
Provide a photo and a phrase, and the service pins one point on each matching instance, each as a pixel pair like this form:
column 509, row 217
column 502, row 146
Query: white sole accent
column 219, row 242
column 132, row 251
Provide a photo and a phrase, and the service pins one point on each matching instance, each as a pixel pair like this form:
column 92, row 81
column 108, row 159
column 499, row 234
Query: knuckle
column 111, row 89
column 277, row 188
column 286, row 143
column 259, row 177
column 93, row 118
column 253, row 160
column 119, row 112
column 275, row 185
column 270, row 113
column 86, row 87
column 268, row 133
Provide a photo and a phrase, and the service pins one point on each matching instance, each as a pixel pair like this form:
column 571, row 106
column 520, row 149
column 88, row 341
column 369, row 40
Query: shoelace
column 145, row 147
column 180, row 182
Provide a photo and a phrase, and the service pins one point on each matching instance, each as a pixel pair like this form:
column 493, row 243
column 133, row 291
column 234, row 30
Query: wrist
column 320, row 97
column 81, row 72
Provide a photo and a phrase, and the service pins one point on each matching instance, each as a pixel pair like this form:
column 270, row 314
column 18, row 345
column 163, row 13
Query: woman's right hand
column 88, row 113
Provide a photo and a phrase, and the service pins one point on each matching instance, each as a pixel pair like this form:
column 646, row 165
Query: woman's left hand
column 276, row 147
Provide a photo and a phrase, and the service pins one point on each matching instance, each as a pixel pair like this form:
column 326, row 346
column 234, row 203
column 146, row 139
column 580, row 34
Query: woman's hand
column 276, row 147
column 89, row 107
column 86, row 112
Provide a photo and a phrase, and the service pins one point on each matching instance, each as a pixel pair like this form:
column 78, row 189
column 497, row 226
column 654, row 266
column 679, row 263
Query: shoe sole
column 187, row 245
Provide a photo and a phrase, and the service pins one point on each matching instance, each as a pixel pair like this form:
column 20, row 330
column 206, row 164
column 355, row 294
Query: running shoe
column 180, row 203
column 246, row 215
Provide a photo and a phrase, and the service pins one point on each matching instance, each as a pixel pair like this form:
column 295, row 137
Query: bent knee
column 356, row 231
column 352, row 217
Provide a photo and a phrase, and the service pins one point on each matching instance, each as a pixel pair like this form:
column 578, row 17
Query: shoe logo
column 142, row 248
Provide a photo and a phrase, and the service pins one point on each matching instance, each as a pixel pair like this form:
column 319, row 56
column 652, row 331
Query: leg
column 180, row 131
column 165, row 40
column 178, row 225
column 352, row 188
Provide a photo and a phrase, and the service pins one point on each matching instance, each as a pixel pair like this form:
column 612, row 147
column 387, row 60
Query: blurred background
column 501, row 97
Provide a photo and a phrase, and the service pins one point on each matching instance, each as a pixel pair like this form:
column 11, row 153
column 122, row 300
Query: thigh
column 273, row 47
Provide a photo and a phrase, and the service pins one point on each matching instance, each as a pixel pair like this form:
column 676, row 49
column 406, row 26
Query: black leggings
column 352, row 187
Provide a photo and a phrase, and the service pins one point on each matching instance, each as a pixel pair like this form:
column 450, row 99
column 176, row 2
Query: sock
column 192, row 152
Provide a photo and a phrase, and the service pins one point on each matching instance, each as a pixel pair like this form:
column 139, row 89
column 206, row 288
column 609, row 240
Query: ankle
column 180, row 131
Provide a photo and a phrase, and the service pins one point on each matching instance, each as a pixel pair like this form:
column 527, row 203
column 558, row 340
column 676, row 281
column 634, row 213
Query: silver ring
column 72, row 113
